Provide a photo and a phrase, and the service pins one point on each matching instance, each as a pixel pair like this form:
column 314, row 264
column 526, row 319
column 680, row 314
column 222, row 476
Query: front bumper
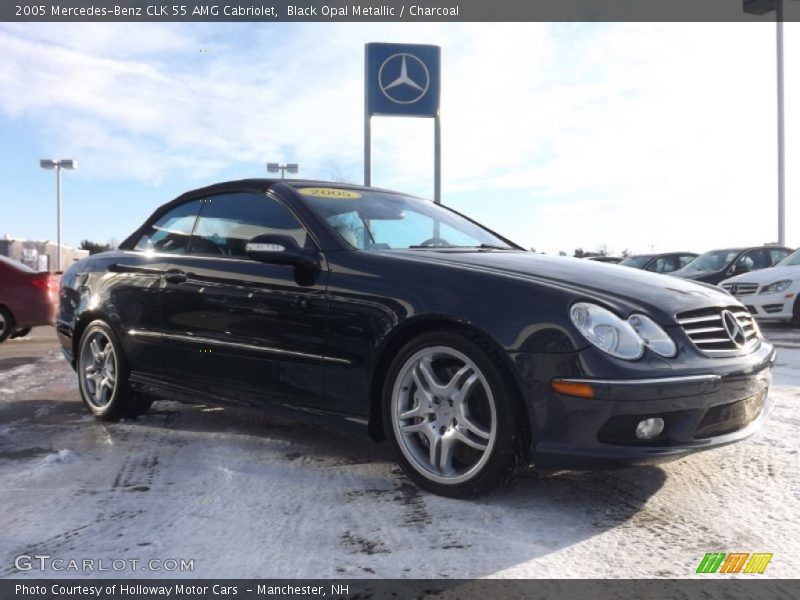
column 700, row 412
column 768, row 307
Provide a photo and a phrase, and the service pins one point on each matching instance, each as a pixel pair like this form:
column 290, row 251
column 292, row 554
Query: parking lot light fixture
column 287, row 168
column 64, row 163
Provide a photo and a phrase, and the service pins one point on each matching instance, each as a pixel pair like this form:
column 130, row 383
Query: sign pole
column 437, row 160
column 781, row 148
column 367, row 123
column 367, row 150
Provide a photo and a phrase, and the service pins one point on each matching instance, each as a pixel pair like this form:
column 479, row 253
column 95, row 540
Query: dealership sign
column 403, row 80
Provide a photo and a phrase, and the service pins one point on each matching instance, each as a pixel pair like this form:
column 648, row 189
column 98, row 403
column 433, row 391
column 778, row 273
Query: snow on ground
column 257, row 497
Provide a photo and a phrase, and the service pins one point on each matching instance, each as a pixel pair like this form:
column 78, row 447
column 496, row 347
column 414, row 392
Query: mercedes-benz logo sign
column 403, row 78
column 733, row 328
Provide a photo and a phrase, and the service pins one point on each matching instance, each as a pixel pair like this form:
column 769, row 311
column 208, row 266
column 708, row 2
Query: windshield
column 369, row 220
column 637, row 262
column 716, row 260
column 792, row 260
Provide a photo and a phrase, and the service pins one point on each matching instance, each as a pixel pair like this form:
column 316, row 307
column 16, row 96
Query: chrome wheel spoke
column 444, row 462
column 425, row 377
column 97, row 352
column 413, row 428
column 463, row 435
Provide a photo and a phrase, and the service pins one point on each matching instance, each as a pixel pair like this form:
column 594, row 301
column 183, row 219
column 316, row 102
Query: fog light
column 649, row 428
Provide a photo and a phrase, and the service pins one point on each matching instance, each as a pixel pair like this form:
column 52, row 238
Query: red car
column 27, row 298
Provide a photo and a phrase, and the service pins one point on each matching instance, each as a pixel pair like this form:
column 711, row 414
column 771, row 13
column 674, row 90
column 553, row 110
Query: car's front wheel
column 103, row 375
column 451, row 416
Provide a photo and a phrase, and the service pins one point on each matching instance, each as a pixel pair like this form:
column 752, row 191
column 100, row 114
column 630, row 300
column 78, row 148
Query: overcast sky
column 632, row 136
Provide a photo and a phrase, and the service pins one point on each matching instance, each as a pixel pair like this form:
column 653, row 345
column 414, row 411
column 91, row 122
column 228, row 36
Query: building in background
column 39, row 255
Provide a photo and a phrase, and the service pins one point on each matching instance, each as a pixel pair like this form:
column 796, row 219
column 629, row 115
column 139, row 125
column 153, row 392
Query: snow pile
column 61, row 457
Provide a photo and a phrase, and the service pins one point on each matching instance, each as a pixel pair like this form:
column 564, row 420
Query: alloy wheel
column 444, row 415
column 98, row 369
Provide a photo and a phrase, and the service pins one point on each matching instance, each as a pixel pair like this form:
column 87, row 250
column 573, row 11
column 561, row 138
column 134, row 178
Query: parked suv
column 771, row 294
column 712, row 267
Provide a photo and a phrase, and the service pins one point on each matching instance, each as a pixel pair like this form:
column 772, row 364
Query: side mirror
column 281, row 250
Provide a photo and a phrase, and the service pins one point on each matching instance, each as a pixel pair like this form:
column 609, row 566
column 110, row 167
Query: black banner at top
column 399, row 10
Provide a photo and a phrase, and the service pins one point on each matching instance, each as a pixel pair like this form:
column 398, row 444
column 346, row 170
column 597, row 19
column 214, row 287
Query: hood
column 766, row 276
column 634, row 286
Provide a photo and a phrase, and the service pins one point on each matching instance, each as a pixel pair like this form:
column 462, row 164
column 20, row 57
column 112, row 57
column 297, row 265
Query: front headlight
column 623, row 339
column 607, row 331
column 653, row 336
column 778, row 286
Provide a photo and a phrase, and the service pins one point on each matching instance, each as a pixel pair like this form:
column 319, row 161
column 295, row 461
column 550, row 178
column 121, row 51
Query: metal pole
column 367, row 150
column 58, row 216
column 781, row 150
column 437, row 160
column 367, row 123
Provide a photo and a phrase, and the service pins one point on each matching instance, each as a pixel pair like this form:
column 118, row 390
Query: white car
column 770, row 294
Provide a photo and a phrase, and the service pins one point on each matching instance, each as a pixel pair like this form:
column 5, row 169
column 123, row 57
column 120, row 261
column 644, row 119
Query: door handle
column 174, row 276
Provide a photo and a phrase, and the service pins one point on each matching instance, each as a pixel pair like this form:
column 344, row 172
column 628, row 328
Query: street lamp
column 287, row 168
column 762, row 7
column 64, row 163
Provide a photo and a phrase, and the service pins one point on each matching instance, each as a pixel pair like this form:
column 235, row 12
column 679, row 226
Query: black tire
column 20, row 333
column 106, row 401
column 506, row 447
column 796, row 313
column 6, row 324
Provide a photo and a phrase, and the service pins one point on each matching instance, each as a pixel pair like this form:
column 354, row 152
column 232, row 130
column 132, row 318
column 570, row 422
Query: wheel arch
column 406, row 332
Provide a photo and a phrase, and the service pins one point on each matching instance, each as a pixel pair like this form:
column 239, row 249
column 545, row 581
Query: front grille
column 741, row 289
column 728, row 418
column 752, row 309
column 707, row 331
column 772, row 308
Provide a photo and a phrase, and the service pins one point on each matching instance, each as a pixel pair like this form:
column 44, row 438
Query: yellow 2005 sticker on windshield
column 332, row 193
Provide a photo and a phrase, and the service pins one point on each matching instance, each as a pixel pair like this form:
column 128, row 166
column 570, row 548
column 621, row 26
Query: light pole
column 287, row 168
column 64, row 163
column 781, row 149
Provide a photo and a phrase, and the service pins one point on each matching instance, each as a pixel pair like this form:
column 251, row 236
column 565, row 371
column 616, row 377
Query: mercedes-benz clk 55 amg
column 473, row 358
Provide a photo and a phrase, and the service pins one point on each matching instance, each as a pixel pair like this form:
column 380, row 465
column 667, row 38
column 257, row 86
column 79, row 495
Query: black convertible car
column 411, row 322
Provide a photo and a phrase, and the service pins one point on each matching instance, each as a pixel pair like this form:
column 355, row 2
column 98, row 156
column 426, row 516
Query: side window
column 656, row 266
column 777, row 255
column 753, row 260
column 171, row 233
column 228, row 221
column 685, row 260
column 664, row 264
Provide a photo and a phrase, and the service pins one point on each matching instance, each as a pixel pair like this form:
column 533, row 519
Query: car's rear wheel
column 451, row 416
column 20, row 333
column 103, row 375
column 6, row 324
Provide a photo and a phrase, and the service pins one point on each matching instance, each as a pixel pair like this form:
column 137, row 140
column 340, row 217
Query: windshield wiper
column 453, row 247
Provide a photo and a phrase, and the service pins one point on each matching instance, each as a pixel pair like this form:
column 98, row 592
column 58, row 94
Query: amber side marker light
column 571, row 388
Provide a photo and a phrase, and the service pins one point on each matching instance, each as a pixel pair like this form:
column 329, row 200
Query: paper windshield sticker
column 332, row 193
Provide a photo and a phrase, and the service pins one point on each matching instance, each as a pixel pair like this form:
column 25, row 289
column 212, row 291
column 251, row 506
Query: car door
column 752, row 260
column 245, row 331
column 776, row 255
column 132, row 288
